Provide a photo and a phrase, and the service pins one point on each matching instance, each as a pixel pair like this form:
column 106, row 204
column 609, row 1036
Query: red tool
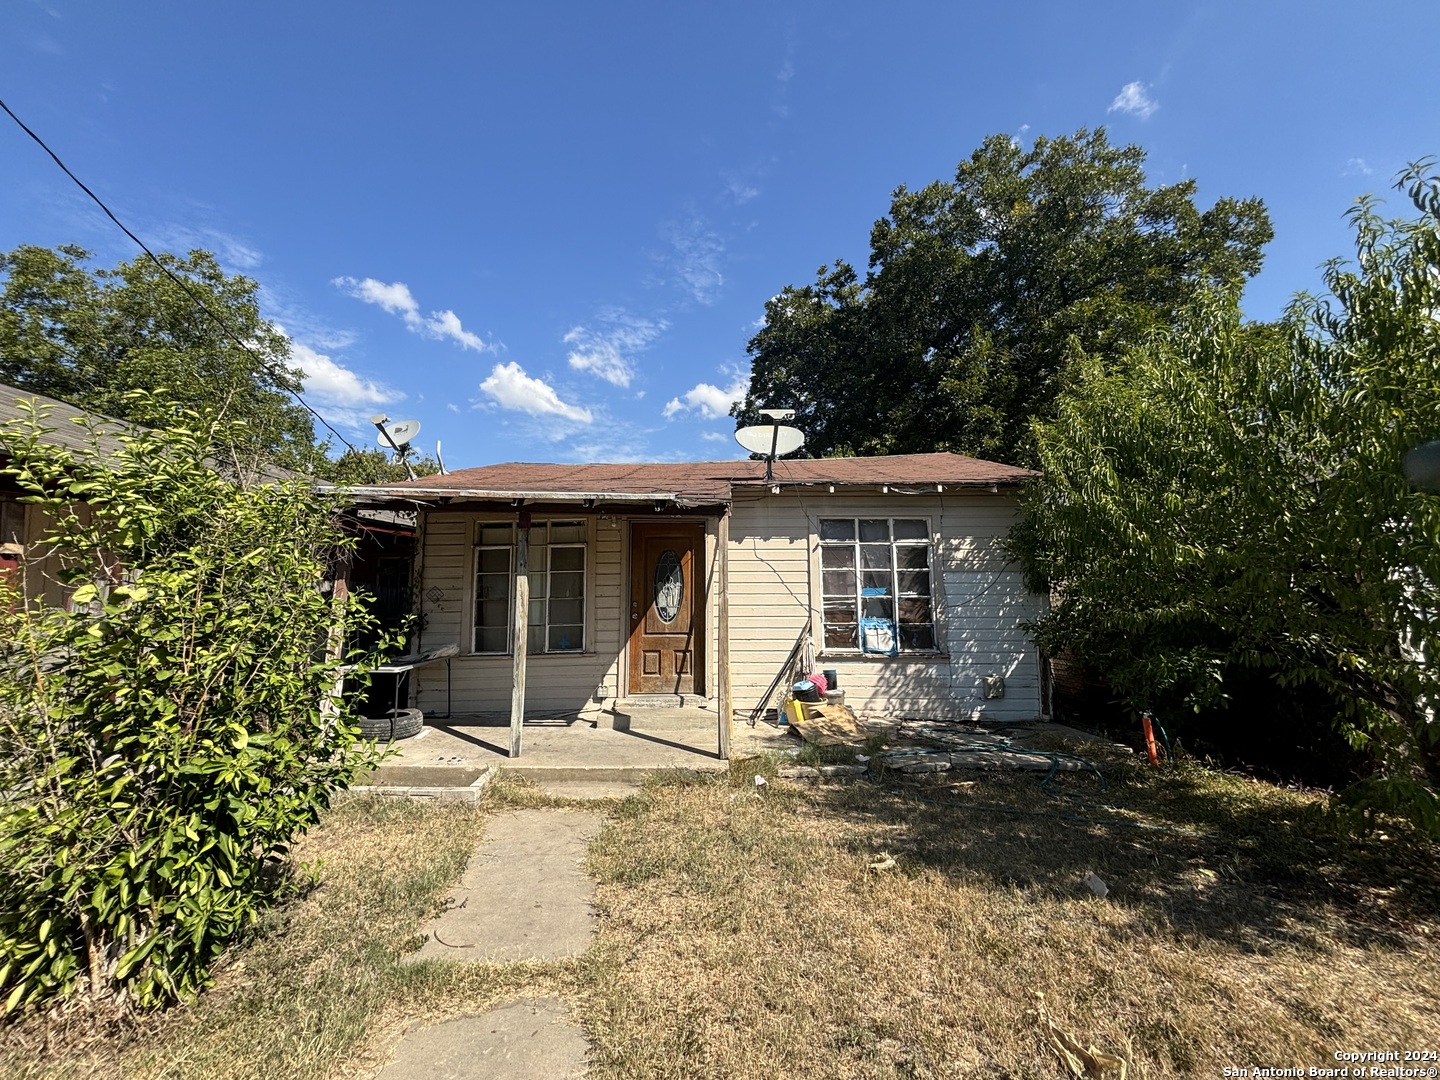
column 1148, row 724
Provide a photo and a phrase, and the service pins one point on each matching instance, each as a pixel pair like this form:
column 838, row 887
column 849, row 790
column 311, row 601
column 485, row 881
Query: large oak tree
column 980, row 290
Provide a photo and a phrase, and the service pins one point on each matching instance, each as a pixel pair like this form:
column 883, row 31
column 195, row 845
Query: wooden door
column 664, row 607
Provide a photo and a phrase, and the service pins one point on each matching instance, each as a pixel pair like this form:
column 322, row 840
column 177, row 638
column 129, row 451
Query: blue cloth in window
column 878, row 636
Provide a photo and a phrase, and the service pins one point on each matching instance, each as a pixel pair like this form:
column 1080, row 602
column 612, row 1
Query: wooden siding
column 980, row 602
column 556, row 682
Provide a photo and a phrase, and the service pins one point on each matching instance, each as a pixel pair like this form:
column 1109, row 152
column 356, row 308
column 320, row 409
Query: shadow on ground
column 1194, row 851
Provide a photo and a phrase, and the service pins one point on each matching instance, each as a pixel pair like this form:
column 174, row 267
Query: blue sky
column 547, row 230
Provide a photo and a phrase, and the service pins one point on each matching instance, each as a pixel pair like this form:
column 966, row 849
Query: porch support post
column 722, row 651
column 335, row 640
column 522, row 631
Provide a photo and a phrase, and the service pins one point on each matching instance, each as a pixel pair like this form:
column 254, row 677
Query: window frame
column 546, row 575
column 854, row 543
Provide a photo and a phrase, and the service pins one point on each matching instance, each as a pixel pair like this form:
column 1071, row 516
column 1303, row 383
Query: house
column 22, row 524
column 692, row 583
column 379, row 565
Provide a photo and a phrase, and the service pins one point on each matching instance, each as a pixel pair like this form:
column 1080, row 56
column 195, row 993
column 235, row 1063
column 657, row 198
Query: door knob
column 634, row 615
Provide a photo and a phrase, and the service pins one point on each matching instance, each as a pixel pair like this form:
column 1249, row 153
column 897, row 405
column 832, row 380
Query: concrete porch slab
column 613, row 746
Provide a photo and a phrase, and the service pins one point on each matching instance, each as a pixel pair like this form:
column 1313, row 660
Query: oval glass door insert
column 669, row 586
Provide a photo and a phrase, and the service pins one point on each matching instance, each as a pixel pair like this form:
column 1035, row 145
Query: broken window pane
column 864, row 564
column 876, row 579
column 917, row 638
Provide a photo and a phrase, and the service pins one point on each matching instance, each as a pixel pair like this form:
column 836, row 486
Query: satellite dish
column 770, row 441
column 399, row 434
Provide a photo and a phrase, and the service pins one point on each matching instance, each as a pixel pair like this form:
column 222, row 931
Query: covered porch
column 606, row 745
column 559, row 597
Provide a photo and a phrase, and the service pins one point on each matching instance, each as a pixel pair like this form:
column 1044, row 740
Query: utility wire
column 199, row 301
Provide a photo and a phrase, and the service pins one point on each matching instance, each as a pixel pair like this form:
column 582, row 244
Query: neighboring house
column 23, row 524
column 380, row 564
column 652, row 581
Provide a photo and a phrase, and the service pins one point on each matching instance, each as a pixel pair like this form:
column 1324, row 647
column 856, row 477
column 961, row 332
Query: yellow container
column 795, row 711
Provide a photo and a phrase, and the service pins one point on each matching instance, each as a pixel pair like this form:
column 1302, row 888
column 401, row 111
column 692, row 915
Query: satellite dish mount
column 397, row 436
column 771, row 440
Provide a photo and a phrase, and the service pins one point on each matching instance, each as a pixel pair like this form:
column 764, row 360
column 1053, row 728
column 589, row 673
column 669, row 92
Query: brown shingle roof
column 699, row 481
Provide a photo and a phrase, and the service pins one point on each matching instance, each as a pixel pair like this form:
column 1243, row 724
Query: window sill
column 530, row 656
column 924, row 657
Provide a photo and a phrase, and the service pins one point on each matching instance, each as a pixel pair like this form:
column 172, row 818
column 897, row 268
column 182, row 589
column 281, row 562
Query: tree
column 979, row 291
column 1229, row 502
column 163, row 740
column 372, row 465
column 89, row 336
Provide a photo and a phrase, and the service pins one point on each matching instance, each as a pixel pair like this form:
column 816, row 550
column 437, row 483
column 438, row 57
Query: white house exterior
column 694, row 581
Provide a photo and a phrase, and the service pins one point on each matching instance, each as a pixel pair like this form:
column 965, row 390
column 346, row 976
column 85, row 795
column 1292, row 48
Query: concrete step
column 594, row 774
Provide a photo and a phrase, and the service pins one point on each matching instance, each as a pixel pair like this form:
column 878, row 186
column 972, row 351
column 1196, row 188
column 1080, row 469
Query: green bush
column 1227, row 506
column 163, row 739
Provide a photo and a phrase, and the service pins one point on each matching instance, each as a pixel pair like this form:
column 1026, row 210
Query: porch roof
column 695, row 482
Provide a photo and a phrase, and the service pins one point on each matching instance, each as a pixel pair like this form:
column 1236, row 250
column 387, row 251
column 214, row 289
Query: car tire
column 399, row 724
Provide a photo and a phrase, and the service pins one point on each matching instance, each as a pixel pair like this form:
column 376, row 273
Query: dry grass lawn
column 744, row 934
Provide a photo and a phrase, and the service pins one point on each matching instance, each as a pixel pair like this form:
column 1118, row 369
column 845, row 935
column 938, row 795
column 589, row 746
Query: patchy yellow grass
column 746, row 935
column 749, row 937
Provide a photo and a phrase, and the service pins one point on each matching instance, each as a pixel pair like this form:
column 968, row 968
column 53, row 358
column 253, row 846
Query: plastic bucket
column 805, row 690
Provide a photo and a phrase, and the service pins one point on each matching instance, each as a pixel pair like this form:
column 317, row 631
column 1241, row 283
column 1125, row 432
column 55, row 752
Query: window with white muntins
column 875, row 585
column 556, row 570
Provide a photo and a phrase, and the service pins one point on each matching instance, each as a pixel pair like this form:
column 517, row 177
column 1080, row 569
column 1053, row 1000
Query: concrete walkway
column 534, row 1039
column 523, row 895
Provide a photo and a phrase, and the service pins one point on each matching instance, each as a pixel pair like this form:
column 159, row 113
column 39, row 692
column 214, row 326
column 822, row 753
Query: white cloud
column 396, row 298
column 710, row 401
column 714, row 436
column 608, row 352
column 1134, row 100
column 1356, row 166
column 334, row 384
column 233, row 254
column 342, row 396
column 739, row 189
column 697, row 251
column 511, row 388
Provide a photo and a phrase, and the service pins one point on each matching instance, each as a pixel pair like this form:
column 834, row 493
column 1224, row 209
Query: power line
column 199, row 301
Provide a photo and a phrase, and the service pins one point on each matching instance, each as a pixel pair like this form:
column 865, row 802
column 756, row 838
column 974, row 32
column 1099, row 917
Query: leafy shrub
column 1228, row 506
column 163, row 739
